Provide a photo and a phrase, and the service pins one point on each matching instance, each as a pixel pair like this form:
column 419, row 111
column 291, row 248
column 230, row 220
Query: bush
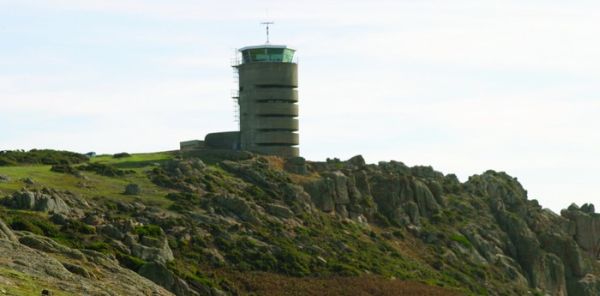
column 25, row 225
column 381, row 220
column 343, row 269
column 148, row 230
column 47, row 157
column 132, row 189
column 121, row 155
column 183, row 201
column 34, row 224
column 131, row 262
column 461, row 240
column 79, row 227
column 98, row 246
column 65, row 169
column 105, row 170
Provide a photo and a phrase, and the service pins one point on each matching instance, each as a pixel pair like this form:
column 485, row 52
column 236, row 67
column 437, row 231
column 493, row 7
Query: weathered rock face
column 396, row 197
column 586, row 225
column 6, row 233
column 37, row 201
column 40, row 260
column 346, row 193
column 322, row 193
column 279, row 211
column 549, row 275
column 541, row 241
column 296, row 165
column 238, row 206
column 543, row 255
column 589, row 285
column 162, row 276
column 151, row 249
column 307, row 219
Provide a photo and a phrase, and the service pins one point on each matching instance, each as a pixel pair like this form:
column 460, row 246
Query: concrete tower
column 268, row 100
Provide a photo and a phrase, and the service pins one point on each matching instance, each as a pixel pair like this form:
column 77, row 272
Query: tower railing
column 235, row 93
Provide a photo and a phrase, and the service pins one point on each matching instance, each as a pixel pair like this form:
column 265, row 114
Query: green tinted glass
column 284, row 55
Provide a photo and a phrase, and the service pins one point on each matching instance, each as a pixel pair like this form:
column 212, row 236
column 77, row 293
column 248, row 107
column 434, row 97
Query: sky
column 464, row 86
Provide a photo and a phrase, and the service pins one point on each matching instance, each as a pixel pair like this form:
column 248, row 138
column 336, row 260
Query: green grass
column 135, row 161
column 461, row 240
column 92, row 185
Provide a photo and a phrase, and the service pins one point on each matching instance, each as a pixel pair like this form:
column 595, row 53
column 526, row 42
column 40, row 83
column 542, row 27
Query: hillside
column 223, row 223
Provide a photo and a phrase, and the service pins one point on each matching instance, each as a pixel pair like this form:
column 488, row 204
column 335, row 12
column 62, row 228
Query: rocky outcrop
column 541, row 241
column 151, row 249
column 6, row 233
column 302, row 218
column 162, row 276
column 322, row 193
column 55, row 267
column 37, row 201
column 589, row 285
column 347, row 194
column 403, row 199
column 585, row 224
column 49, row 246
column 237, row 206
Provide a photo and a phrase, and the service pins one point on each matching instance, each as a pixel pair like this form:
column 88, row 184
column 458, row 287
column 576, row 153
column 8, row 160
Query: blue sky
column 464, row 86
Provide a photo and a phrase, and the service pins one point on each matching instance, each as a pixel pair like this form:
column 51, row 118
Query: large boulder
column 296, row 165
column 567, row 250
column 279, row 211
column 322, row 193
column 393, row 192
column 340, row 182
column 589, row 285
column 503, row 191
column 37, row 201
column 586, row 226
column 237, row 206
column 510, row 270
column 357, row 162
column 6, row 233
column 162, row 276
column 150, row 248
column 549, row 275
column 425, row 199
column 526, row 245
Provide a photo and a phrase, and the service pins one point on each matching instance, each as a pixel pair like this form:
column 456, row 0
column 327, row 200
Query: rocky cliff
column 238, row 224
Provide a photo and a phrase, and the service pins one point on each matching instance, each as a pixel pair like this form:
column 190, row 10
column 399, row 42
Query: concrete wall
column 268, row 108
column 223, row 140
column 191, row 145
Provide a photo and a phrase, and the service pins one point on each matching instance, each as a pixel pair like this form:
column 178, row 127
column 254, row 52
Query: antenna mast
column 267, row 27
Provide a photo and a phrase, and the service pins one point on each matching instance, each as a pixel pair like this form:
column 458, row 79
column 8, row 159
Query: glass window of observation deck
column 282, row 55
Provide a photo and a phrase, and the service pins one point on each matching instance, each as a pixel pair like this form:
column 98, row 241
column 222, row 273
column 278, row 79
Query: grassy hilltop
column 217, row 223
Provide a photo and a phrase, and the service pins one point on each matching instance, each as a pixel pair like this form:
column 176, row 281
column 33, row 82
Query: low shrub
column 121, row 155
column 131, row 262
column 461, row 240
column 105, row 170
column 98, row 246
column 65, row 169
column 34, row 224
column 47, row 157
column 78, row 227
column 148, row 230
